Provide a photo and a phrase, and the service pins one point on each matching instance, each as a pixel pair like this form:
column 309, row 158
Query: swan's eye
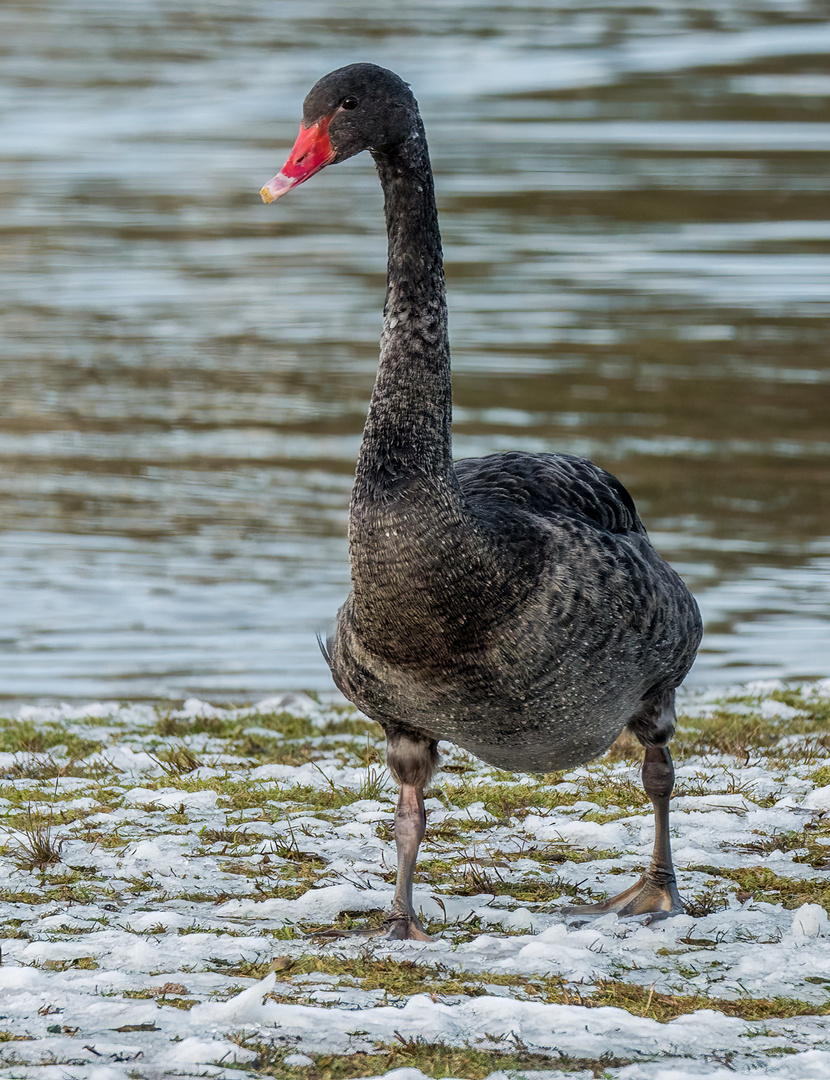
column 349, row 103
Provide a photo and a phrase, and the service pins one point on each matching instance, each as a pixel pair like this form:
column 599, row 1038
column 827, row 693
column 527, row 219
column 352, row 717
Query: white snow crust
column 144, row 951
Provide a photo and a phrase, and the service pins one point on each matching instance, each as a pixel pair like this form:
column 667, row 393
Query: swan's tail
column 324, row 648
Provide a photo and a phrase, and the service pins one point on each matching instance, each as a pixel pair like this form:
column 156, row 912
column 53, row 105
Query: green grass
column 38, row 847
column 759, row 883
column 62, row 787
column 434, row 1059
column 24, row 736
column 83, row 963
column 400, row 978
column 738, row 726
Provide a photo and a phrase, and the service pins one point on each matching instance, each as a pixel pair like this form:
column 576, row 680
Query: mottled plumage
column 526, row 621
column 511, row 604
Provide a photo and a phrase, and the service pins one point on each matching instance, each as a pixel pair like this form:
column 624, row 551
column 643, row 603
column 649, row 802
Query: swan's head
column 359, row 107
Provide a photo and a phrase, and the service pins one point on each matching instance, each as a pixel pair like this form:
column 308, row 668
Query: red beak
column 312, row 152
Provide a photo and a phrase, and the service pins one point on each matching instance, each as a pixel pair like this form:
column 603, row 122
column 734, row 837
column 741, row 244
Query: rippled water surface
column 634, row 202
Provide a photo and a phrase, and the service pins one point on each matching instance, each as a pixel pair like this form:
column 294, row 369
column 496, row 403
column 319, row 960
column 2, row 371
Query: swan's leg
column 410, row 826
column 411, row 761
column 656, row 892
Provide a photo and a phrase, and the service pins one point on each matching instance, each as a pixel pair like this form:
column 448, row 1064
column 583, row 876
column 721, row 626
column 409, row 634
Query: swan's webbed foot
column 404, row 928
column 398, row 926
column 655, row 894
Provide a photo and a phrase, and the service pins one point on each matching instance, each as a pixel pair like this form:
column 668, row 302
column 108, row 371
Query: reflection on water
column 635, row 214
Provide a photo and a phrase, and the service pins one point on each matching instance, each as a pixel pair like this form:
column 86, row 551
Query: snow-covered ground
column 164, row 872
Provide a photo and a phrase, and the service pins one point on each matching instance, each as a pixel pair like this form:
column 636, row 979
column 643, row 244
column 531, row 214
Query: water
column 637, row 229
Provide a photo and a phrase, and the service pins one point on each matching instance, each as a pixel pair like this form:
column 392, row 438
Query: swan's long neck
column 413, row 554
column 408, row 426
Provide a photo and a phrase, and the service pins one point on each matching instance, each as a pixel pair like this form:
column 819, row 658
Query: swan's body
column 526, row 620
column 510, row 604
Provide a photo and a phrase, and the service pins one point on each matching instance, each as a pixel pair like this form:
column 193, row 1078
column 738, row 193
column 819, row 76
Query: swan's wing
column 550, row 485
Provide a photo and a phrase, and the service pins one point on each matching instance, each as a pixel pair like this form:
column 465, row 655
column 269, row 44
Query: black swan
column 510, row 604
